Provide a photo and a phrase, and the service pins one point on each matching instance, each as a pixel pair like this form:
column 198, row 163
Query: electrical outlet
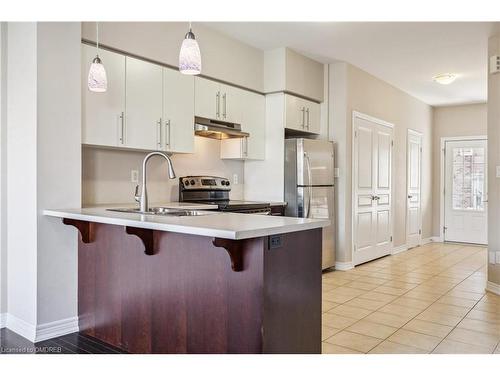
column 276, row 241
column 235, row 179
column 498, row 171
column 134, row 176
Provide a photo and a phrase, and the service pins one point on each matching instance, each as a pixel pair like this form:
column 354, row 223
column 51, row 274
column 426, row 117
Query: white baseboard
column 3, row 320
column 55, row 329
column 21, row 327
column 425, row 241
column 41, row 332
column 437, row 239
column 399, row 249
column 493, row 288
column 343, row 266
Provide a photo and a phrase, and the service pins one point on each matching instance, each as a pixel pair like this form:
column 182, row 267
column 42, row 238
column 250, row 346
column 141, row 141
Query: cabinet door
column 178, row 112
column 313, row 113
column 231, row 103
column 233, row 148
column 144, row 105
column 102, row 111
column 295, row 115
column 207, row 100
column 254, row 122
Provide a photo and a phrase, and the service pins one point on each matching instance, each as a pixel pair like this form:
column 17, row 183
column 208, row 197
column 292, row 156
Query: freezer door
column 314, row 162
column 317, row 203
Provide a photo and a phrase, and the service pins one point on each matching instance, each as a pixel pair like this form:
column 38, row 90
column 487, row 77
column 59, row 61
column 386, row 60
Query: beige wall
column 355, row 90
column 453, row 121
column 493, row 161
column 106, row 173
column 223, row 58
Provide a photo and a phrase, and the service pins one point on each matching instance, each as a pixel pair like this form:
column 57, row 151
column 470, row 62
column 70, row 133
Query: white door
column 413, row 185
column 177, row 132
column 207, row 98
column 254, row 123
column 144, row 105
column 102, row 112
column 313, row 113
column 465, row 192
column 295, row 113
column 372, row 153
column 231, row 104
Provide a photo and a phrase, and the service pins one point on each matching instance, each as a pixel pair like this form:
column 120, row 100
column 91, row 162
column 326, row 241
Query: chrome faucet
column 143, row 198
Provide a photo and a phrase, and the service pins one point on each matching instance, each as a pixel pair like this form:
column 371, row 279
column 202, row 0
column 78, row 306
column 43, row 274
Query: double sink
column 163, row 211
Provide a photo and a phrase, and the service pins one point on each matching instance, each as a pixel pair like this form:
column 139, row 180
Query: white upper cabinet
column 253, row 121
column 217, row 101
column 144, row 105
column 102, row 113
column 177, row 132
column 302, row 115
column 207, row 100
column 231, row 103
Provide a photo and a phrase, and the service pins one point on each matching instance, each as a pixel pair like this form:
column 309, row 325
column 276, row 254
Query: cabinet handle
column 167, row 125
column 158, row 134
column 245, row 146
column 122, row 120
column 217, row 104
column 303, row 116
column 307, row 111
column 224, row 100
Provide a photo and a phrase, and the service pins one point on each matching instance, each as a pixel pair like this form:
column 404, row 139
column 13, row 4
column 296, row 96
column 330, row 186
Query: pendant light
column 189, row 56
column 97, row 80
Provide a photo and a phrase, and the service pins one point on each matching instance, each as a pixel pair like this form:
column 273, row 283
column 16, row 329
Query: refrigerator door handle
column 309, row 183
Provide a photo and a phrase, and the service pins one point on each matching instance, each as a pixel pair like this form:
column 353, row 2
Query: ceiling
column 405, row 54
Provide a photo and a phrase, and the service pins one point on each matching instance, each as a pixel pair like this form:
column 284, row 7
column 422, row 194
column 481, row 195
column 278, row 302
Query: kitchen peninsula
column 198, row 281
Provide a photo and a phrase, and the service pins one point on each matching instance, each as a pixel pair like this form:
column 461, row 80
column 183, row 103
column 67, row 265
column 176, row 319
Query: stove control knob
column 223, row 182
column 186, row 182
column 192, row 182
column 227, row 183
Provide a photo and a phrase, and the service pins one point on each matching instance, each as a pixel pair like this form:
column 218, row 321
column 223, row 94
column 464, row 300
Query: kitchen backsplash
column 106, row 174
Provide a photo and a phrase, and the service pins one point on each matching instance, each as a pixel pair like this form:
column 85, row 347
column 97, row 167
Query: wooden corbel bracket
column 233, row 248
column 86, row 229
column 147, row 237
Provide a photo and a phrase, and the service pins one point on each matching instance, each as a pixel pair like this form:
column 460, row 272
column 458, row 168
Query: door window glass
column 468, row 178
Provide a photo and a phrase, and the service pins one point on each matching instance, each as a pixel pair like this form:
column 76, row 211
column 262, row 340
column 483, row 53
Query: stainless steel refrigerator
column 309, row 186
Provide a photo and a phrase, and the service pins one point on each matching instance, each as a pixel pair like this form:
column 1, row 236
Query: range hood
column 217, row 129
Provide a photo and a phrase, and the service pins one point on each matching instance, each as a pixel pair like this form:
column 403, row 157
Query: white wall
column 58, row 166
column 452, row 121
column 106, row 173
column 22, row 173
column 3, row 171
column 223, row 58
column 352, row 89
column 493, row 162
column 43, row 170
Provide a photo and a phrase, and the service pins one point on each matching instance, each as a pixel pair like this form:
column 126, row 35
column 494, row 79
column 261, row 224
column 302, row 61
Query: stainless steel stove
column 215, row 190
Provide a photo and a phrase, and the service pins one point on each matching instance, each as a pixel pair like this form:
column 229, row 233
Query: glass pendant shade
column 97, row 79
column 189, row 56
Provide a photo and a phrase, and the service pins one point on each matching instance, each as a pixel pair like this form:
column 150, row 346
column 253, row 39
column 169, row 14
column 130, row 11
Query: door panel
column 372, row 188
column 178, row 112
column 466, row 197
column 207, row 100
column 102, row 112
column 413, row 183
column 144, row 104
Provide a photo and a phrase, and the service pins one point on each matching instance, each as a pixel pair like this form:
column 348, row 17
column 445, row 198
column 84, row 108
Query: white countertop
column 217, row 224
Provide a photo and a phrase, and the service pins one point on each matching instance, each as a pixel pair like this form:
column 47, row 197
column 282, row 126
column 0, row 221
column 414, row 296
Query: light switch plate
column 336, row 172
column 498, row 171
column 134, row 176
column 235, row 179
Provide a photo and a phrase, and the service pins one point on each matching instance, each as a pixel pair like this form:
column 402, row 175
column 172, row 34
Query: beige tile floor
column 430, row 299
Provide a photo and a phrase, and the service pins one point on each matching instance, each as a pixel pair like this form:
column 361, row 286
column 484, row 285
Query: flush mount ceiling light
column 189, row 55
column 97, row 80
column 444, row 79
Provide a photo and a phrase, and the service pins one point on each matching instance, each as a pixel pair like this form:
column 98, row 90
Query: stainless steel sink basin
column 163, row 211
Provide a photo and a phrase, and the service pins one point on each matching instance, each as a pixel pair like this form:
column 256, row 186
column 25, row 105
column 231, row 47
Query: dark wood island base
column 148, row 291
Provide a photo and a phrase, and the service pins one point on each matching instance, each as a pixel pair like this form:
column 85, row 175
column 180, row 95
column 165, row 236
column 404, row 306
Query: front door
column 372, row 190
column 413, row 209
column 465, row 192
